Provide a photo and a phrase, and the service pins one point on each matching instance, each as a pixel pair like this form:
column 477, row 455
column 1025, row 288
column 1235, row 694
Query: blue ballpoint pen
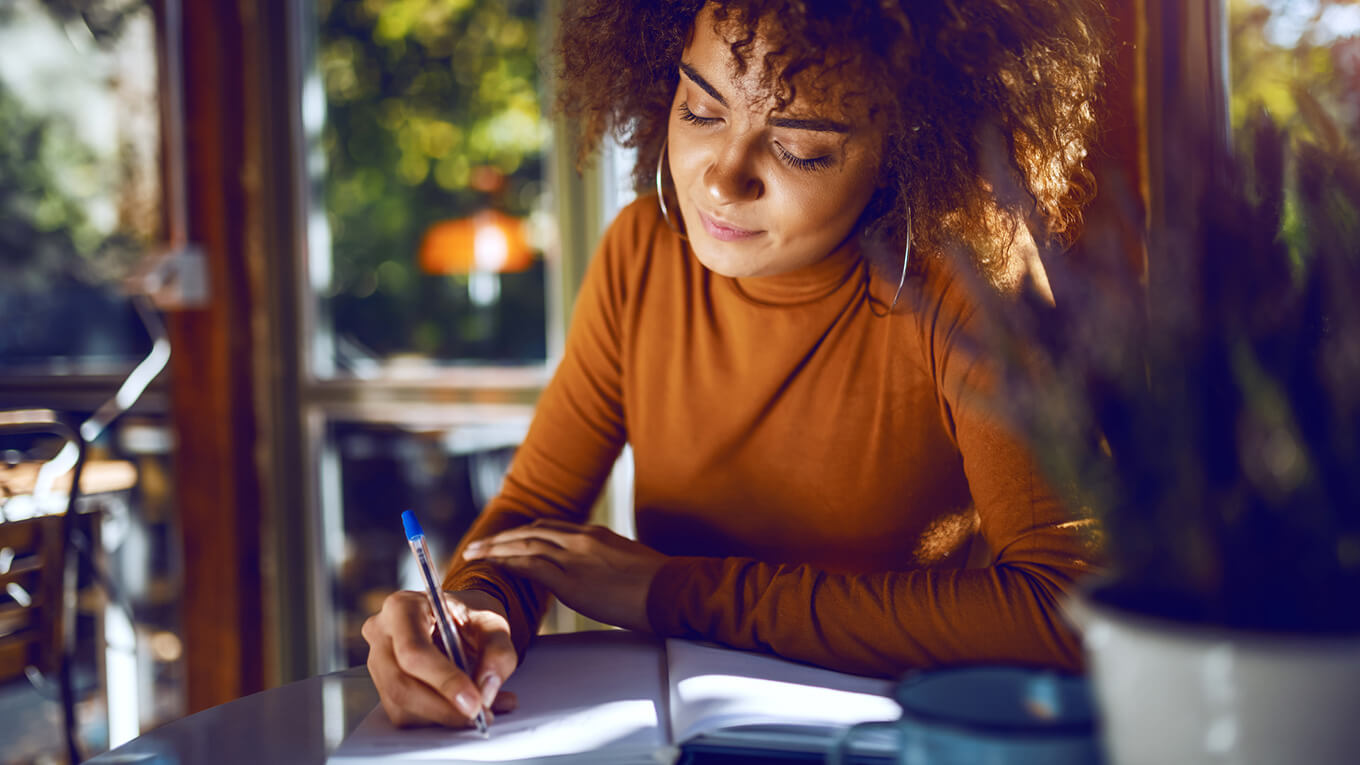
column 453, row 646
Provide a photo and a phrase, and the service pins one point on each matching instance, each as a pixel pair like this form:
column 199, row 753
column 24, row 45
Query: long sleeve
column 572, row 443
column 818, row 474
column 901, row 616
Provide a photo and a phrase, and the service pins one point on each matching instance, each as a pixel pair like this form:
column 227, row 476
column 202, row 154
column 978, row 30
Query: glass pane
column 79, row 178
column 432, row 247
column 444, row 475
column 1287, row 55
column 1298, row 60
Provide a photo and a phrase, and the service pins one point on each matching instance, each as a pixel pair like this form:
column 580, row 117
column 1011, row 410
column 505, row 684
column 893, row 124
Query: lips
column 723, row 231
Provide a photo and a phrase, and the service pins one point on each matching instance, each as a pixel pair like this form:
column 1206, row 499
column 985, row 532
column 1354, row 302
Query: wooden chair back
column 31, row 569
column 34, row 611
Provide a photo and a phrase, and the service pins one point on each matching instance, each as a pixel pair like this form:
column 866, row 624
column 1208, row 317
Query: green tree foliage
column 59, row 263
column 40, row 226
column 1278, row 50
column 1289, row 59
column 421, row 93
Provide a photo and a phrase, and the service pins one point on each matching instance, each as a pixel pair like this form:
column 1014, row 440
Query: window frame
column 464, row 397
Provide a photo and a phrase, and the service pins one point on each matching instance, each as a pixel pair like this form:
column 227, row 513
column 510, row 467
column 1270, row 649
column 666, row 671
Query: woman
column 815, row 473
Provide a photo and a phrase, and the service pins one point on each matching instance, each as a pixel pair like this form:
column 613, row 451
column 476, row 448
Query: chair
column 37, row 572
column 30, row 618
column 40, row 632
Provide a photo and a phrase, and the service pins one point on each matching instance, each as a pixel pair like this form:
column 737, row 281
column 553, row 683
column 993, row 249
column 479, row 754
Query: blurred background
column 360, row 233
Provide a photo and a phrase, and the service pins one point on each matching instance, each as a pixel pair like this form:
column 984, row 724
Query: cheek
column 823, row 209
column 685, row 153
column 684, row 145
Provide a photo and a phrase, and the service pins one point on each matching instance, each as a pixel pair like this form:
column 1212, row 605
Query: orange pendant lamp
column 489, row 241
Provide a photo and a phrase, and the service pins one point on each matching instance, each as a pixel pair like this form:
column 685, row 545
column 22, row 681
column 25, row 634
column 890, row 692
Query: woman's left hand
column 589, row 568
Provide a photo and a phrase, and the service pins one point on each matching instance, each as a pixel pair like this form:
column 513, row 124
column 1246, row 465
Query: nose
column 731, row 176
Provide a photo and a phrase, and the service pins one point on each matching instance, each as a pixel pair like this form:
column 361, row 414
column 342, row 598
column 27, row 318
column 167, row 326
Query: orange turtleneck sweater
column 827, row 484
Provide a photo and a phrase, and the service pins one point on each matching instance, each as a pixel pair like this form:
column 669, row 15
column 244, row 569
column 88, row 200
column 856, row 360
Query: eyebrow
column 698, row 79
column 820, row 125
column 815, row 124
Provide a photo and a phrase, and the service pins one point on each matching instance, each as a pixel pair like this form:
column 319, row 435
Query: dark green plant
column 1212, row 419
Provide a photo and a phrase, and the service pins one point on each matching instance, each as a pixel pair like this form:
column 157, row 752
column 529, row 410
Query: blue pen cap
column 412, row 526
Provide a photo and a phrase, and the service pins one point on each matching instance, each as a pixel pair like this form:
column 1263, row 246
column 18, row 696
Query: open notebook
column 620, row 697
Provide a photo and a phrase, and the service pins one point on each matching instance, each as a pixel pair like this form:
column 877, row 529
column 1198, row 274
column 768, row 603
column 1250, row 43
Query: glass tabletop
column 300, row 722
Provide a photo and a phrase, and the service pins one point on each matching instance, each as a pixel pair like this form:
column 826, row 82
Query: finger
column 558, row 525
column 410, row 702
column 371, row 630
column 405, row 606
column 583, row 536
column 540, row 569
column 558, row 532
column 497, row 659
column 417, row 657
column 482, row 548
column 517, row 547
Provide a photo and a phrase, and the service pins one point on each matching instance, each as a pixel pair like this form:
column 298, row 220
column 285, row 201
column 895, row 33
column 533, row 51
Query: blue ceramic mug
column 1000, row 715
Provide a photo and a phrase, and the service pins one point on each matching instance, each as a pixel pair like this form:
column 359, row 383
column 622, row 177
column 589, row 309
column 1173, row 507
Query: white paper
column 617, row 697
column 590, row 697
column 713, row 688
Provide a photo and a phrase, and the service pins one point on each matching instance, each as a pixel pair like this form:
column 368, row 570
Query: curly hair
column 955, row 86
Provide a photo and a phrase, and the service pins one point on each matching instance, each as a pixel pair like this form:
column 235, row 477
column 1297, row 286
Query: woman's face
column 761, row 192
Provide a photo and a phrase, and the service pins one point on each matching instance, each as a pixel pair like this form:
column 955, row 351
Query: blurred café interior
column 272, row 272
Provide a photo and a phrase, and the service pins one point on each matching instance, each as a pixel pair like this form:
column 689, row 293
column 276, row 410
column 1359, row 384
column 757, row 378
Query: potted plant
column 1211, row 422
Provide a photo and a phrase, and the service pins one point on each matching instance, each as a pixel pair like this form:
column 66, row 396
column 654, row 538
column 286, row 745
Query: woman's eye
column 691, row 117
column 811, row 165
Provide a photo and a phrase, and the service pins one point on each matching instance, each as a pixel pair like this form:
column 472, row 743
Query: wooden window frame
column 248, row 413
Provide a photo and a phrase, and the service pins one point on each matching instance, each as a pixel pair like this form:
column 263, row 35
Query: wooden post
column 217, row 486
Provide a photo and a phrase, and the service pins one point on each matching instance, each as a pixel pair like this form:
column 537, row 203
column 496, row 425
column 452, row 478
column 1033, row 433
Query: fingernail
column 491, row 685
column 467, row 705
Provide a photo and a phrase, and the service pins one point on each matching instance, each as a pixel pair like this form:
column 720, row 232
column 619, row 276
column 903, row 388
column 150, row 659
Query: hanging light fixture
column 487, row 242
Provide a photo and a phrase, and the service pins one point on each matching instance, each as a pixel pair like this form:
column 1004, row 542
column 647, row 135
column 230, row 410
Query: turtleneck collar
column 806, row 284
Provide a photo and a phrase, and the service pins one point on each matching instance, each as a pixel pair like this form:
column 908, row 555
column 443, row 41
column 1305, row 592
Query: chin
column 722, row 261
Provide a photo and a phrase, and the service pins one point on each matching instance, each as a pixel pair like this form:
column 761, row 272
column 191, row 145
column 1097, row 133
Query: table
column 97, row 477
column 611, row 688
column 302, row 722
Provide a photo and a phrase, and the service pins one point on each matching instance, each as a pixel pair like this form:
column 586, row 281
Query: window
column 1299, row 62
column 79, row 182
column 1291, row 57
column 439, row 259
column 436, row 232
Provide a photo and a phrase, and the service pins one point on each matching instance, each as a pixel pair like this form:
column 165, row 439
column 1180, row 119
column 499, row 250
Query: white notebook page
column 713, row 688
column 588, row 697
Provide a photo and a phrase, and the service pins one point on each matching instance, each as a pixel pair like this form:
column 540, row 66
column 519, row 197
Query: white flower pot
column 1172, row 692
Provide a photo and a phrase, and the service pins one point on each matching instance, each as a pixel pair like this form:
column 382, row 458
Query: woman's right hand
column 418, row 684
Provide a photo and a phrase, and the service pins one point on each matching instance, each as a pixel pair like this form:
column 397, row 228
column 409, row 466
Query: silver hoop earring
column 661, row 193
column 906, row 257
